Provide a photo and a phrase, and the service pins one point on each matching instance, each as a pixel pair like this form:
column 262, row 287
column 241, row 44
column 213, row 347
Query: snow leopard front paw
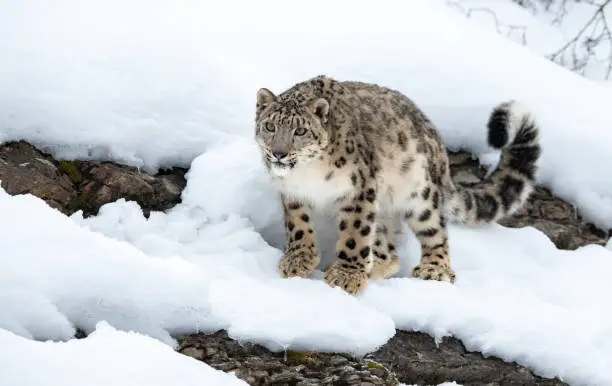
column 351, row 280
column 428, row 271
column 299, row 262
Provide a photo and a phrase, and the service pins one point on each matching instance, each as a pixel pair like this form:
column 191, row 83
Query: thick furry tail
column 514, row 131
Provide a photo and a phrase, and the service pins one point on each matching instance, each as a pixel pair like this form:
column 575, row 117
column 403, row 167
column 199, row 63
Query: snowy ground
column 83, row 80
column 112, row 358
column 547, row 30
column 90, row 82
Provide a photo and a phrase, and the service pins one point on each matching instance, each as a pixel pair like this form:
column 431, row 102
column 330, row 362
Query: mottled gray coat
column 371, row 156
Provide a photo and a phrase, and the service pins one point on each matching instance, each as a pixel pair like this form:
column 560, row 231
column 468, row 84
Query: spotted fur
column 371, row 156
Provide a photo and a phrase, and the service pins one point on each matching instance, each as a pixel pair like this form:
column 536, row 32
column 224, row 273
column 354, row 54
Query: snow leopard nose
column 279, row 155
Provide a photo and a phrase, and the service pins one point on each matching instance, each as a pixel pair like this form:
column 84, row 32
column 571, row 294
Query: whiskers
column 267, row 153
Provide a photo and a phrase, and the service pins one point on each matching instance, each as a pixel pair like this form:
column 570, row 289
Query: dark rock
column 416, row 359
column 556, row 218
column 85, row 185
column 23, row 169
column 257, row 366
column 99, row 183
column 409, row 357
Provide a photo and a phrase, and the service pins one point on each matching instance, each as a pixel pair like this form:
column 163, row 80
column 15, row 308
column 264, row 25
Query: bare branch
column 593, row 36
column 591, row 44
column 499, row 25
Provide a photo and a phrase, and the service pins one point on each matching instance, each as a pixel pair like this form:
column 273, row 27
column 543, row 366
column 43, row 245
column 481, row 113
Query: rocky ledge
column 85, row 185
column 409, row 357
column 556, row 218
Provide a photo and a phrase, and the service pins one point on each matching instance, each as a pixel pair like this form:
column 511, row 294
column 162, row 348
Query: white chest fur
column 313, row 183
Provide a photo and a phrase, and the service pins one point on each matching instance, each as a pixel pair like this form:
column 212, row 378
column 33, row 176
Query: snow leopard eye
column 269, row 127
column 300, row 131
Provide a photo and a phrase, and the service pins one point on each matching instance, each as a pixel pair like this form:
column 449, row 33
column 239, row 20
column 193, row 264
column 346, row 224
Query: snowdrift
column 160, row 83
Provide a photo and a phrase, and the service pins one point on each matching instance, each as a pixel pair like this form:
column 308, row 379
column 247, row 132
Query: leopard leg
column 386, row 259
column 429, row 225
column 301, row 256
column 357, row 225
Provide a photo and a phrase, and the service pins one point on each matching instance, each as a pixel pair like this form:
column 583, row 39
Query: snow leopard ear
column 264, row 98
column 321, row 109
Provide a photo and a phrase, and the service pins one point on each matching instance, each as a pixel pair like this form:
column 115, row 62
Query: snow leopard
column 369, row 156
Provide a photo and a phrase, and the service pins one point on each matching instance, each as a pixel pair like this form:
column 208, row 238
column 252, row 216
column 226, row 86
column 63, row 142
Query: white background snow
column 110, row 355
column 547, row 27
column 160, row 83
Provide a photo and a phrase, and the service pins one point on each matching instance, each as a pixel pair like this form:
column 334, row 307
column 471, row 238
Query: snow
column 178, row 86
column 507, row 294
column 545, row 29
column 175, row 274
column 571, row 19
column 106, row 357
column 86, row 81
column 182, row 271
column 512, row 21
